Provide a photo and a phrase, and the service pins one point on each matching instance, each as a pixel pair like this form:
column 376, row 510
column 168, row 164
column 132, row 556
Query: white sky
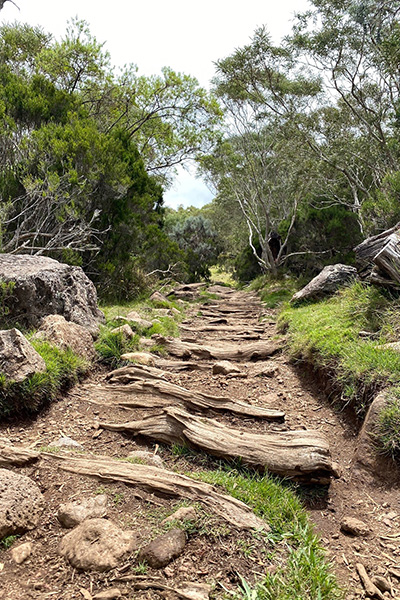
column 184, row 35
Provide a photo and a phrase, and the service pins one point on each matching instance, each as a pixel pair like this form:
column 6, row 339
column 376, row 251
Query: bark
column 295, row 454
column 163, row 483
column 16, row 456
column 388, row 258
column 134, row 373
column 163, row 393
column 369, row 248
column 252, row 351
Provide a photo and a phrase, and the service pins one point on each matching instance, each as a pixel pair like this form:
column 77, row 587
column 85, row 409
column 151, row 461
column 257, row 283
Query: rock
column 21, row 503
column 65, row 334
column 73, row 513
column 268, row 371
column 175, row 311
column 22, row 552
column 18, row 359
column 224, row 367
column 133, row 316
column 147, row 458
column 366, row 460
column 44, row 286
column 142, row 324
column 142, row 358
column 161, row 551
column 96, row 545
column 125, row 331
column 381, row 583
column 65, row 442
column 158, row 297
column 354, row 527
column 109, row 594
column 186, row 513
column 327, row 282
column 146, row 342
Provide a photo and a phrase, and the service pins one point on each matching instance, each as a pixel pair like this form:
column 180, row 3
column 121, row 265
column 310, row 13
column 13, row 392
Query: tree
column 199, row 242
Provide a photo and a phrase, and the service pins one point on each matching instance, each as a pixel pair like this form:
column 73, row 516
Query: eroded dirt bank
column 217, row 552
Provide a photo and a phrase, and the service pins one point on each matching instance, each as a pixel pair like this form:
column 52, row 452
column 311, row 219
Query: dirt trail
column 214, row 553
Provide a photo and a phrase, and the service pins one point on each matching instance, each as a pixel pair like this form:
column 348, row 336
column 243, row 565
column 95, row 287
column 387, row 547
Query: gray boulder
column 43, row 286
column 72, row 514
column 18, row 359
column 327, row 282
column 21, row 503
column 96, row 545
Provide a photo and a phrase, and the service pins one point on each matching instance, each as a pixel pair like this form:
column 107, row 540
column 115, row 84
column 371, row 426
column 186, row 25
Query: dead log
column 163, row 393
column 388, row 258
column 295, row 454
column 14, row 456
column 162, row 483
column 180, row 365
column 369, row 248
column 254, row 351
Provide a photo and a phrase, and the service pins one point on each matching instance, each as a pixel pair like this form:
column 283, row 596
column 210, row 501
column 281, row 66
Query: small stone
column 165, row 548
column 381, row 583
column 195, row 591
column 268, row 371
column 142, row 358
column 109, row 594
column 336, row 470
column 21, row 552
column 186, row 513
column 354, row 527
column 133, row 316
column 224, row 367
column 158, row 297
column 65, row 442
column 142, row 324
column 175, row 311
column 73, row 513
column 96, row 545
column 124, row 330
column 147, row 458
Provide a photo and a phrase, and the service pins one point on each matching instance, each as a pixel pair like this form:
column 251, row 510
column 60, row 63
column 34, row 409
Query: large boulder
column 18, row 359
column 43, row 286
column 327, row 282
column 65, row 334
column 21, row 503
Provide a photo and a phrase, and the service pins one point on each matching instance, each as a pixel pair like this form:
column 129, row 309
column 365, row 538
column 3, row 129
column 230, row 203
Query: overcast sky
column 184, row 35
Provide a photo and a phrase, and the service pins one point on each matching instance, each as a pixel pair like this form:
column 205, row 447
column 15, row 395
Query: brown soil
column 216, row 553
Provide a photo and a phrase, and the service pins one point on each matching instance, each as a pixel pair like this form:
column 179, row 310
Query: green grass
column 63, row 369
column 8, row 541
column 326, row 334
column 111, row 346
column 387, row 433
column 302, row 572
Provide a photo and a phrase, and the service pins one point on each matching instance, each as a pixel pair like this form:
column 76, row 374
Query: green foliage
column 304, row 575
column 8, row 541
column 326, row 334
column 111, row 346
column 166, row 327
column 63, row 369
column 387, row 435
column 6, row 291
column 274, row 291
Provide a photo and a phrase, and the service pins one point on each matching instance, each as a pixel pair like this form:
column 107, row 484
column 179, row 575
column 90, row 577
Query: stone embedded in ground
column 22, row 552
column 327, row 282
column 185, row 513
column 124, row 330
column 43, row 286
column 354, row 527
column 133, row 316
column 165, row 548
column 65, row 334
column 224, row 367
column 158, row 297
column 109, row 594
column 268, row 371
column 146, row 458
column 21, row 503
column 65, row 442
column 381, row 583
column 141, row 324
column 18, row 359
column 72, row 514
column 194, row 590
column 96, row 545
column 142, row 358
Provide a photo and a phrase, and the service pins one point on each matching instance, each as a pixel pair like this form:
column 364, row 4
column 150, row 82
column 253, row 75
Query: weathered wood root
column 295, row 454
column 187, row 591
column 163, row 483
column 166, row 393
column 246, row 352
column 16, row 456
column 180, row 365
column 134, row 373
column 222, row 329
column 370, row 589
